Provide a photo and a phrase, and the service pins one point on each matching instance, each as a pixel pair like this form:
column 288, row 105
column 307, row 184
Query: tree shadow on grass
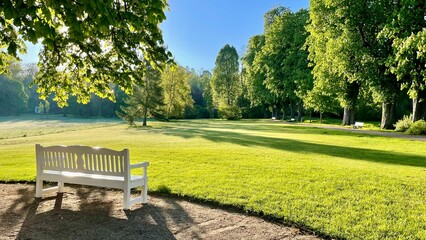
column 268, row 127
column 297, row 146
column 86, row 213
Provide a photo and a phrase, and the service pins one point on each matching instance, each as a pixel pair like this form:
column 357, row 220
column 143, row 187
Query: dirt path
column 93, row 213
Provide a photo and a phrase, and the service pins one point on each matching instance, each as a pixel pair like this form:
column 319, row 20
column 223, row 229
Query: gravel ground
column 96, row 213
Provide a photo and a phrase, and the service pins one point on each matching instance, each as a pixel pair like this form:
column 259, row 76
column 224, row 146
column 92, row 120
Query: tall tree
column 86, row 44
column 205, row 79
column 146, row 100
column 255, row 74
column 177, row 92
column 271, row 15
column 346, row 52
column 287, row 73
column 406, row 30
column 225, row 83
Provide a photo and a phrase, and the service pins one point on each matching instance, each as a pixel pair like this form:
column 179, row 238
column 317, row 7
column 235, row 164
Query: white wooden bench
column 85, row 165
column 358, row 125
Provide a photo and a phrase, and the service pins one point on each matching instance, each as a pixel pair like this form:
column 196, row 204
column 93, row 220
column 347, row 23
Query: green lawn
column 342, row 184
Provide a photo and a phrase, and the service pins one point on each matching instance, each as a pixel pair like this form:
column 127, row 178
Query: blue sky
column 195, row 30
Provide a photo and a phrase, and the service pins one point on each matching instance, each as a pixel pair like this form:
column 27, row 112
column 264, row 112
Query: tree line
column 358, row 59
column 175, row 92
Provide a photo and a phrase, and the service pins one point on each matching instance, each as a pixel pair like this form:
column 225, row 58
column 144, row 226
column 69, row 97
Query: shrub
column 417, row 128
column 404, row 124
column 229, row 112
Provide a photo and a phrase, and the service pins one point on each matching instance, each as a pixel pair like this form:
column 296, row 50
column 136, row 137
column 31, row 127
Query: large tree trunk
column 351, row 96
column 348, row 116
column 291, row 110
column 145, row 113
column 321, row 117
column 419, row 106
column 388, row 116
column 299, row 112
column 419, row 109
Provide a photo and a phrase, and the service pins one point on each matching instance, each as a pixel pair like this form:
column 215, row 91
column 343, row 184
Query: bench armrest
column 139, row 165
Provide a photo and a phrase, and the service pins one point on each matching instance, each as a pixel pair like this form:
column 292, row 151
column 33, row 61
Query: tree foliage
column 86, row 44
column 177, row 92
column 13, row 99
column 344, row 49
column 406, row 30
column 146, row 100
column 275, row 63
column 225, row 83
column 199, row 83
column 362, row 45
column 255, row 74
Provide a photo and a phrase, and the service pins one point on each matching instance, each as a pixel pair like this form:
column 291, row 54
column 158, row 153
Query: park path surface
column 94, row 213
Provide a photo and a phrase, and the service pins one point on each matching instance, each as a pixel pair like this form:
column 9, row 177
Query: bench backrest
column 92, row 160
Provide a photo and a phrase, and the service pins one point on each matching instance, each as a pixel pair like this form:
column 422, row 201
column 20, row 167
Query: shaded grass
column 34, row 125
column 368, row 125
column 343, row 184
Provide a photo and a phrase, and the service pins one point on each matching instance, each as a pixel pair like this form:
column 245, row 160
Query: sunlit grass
column 338, row 183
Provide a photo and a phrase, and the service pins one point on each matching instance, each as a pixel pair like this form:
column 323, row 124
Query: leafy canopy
column 177, row 92
column 87, row 45
column 225, row 83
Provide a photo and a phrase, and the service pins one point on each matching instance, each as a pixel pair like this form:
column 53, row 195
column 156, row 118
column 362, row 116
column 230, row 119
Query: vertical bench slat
column 96, row 163
column 69, row 157
column 121, row 163
column 61, row 160
column 48, row 159
column 113, row 163
column 74, row 161
column 104, row 157
column 45, row 158
column 86, row 162
column 56, row 159
column 108, row 168
column 89, row 166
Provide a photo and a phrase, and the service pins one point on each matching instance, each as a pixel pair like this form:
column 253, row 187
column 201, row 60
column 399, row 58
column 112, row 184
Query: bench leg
column 61, row 187
column 126, row 198
column 39, row 188
column 145, row 191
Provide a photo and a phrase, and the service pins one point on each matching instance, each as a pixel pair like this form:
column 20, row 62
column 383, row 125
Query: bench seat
column 116, row 182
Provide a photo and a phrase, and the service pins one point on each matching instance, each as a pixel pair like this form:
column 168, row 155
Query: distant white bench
column 85, row 165
column 358, row 125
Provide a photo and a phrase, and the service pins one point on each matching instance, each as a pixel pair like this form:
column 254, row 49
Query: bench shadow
column 85, row 214
column 298, row 146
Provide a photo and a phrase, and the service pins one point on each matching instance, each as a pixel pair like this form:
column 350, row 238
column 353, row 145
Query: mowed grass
column 341, row 184
column 33, row 125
